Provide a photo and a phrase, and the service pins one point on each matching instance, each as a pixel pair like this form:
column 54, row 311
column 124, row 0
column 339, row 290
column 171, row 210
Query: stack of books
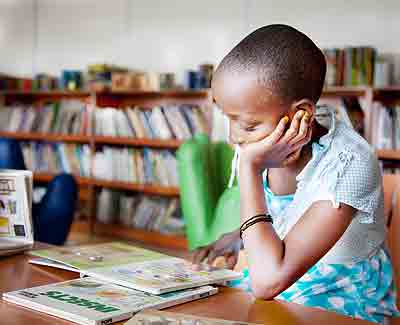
column 64, row 117
column 118, row 280
column 57, row 158
column 169, row 122
column 141, row 212
column 142, row 166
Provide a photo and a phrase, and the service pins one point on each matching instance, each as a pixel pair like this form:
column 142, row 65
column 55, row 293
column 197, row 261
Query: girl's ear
column 305, row 105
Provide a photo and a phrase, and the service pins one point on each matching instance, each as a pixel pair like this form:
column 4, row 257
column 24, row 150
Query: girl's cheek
column 259, row 134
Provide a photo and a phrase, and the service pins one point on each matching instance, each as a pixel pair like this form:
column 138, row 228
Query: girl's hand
column 280, row 148
column 228, row 245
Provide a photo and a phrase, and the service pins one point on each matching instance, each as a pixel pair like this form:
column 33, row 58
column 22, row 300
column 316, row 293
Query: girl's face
column 253, row 112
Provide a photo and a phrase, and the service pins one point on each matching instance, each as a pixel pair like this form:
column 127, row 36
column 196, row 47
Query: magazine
column 16, row 230
column 137, row 268
column 90, row 302
column 155, row 317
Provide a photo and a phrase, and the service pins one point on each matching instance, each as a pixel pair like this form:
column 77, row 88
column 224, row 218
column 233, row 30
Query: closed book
column 89, row 301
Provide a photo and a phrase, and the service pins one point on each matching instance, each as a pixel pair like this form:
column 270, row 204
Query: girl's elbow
column 266, row 291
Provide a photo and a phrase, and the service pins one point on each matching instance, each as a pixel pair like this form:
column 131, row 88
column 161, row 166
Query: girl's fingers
column 278, row 132
column 303, row 130
column 292, row 132
column 200, row 254
column 304, row 141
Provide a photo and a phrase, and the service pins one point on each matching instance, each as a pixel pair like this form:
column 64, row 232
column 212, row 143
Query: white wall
column 175, row 35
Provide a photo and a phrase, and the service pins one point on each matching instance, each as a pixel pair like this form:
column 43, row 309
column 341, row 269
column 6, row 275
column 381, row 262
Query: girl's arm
column 275, row 264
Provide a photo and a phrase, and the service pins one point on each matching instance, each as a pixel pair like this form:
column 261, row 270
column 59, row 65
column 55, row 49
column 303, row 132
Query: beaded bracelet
column 253, row 220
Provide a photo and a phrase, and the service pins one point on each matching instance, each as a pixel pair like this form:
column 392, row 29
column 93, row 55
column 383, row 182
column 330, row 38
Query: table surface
column 232, row 304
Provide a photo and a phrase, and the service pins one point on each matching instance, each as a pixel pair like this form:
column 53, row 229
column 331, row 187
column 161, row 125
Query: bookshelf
column 89, row 185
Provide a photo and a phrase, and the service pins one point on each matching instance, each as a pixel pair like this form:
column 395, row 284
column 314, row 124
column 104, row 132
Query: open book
column 154, row 317
column 90, row 302
column 16, row 230
column 135, row 267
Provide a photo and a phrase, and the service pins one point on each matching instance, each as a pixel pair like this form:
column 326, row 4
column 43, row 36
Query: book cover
column 90, row 302
column 155, row 317
column 16, row 228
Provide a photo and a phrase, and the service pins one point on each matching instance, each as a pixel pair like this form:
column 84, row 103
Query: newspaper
column 16, row 230
column 90, row 302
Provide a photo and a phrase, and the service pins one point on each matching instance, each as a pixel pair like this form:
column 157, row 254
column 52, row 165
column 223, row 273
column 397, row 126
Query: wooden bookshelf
column 115, row 185
column 149, row 99
column 344, row 91
column 88, row 186
column 47, row 177
column 45, row 137
column 393, row 155
column 138, row 142
column 143, row 188
column 129, row 233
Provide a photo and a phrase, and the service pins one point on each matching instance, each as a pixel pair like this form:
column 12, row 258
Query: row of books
column 351, row 66
column 142, row 166
column 180, row 122
column 100, row 77
column 65, row 117
column 141, row 212
column 385, row 133
column 55, row 158
column 74, row 117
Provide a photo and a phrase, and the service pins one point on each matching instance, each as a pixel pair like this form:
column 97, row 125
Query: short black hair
column 285, row 60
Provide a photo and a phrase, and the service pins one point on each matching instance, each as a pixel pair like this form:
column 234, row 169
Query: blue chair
column 53, row 215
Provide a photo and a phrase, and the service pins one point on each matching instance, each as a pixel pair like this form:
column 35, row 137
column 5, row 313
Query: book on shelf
column 142, row 166
column 155, row 317
column 137, row 268
column 57, row 158
column 156, row 214
column 16, row 228
column 89, row 301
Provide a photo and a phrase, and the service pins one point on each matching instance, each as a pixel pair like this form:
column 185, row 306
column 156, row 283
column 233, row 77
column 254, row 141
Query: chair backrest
column 11, row 156
column 391, row 189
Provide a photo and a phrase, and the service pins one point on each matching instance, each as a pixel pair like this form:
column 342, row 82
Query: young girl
column 311, row 197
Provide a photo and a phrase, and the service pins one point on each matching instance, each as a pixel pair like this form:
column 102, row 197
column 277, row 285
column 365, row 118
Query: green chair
column 209, row 208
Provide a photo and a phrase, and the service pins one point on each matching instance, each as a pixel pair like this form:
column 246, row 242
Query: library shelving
column 89, row 185
column 387, row 95
column 121, row 99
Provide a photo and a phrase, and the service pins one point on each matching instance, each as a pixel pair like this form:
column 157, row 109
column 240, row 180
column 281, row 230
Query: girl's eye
column 250, row 128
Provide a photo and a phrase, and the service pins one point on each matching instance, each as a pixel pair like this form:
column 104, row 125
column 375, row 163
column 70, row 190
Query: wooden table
column 233, row 304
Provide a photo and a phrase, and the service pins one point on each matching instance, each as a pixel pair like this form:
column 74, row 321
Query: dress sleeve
column 357, row 182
